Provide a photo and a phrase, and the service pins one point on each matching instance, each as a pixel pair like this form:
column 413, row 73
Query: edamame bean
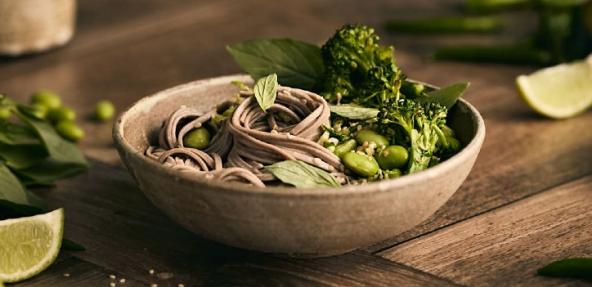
column 197, row 138
column 371, row 137
column 447, row 131
column 4, row 113
column 393, row 156
column 38, row 110
column 392, row 173
column 70, row 131
column 49, row 99
column 453, row 144
column 360, row 164
column 104, row 111
column 62, row 114
column 343, row 148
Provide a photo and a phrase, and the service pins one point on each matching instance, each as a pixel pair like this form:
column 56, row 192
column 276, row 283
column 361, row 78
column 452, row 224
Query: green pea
column 69, row 130
column 371, row 137
column 38, row 111
column 197, row 138
column 360, row 164
column 392, row 173
column 344, row 148
column 49, row 99
column 228, row 112
column 62, row 114
column 104, row 111
column 393, row 156
column 447, row 131
column 5, row 113
column 453, row 144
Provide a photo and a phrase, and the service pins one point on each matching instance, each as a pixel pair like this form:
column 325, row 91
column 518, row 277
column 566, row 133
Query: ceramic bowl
column 284, row 220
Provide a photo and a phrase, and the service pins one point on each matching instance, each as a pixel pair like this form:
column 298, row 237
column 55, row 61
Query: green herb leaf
column 580, row 268
column 241, row 85
column 446, row 96
column 354, row 112
column 15, row 134
column 301, row 174
column 265, row 91
column 22, row 156
column 12, row 192
column 64, row 158
column 297, row 64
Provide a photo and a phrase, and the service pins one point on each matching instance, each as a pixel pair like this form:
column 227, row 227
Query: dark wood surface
column 526, row 202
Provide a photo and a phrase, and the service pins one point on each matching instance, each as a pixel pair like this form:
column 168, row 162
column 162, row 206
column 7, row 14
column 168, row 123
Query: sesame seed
column 66, row 274
column 151, row 271
column 112, row 276
column 153, row 285
column 122, row 280
column 181, row 285
column 112, row 284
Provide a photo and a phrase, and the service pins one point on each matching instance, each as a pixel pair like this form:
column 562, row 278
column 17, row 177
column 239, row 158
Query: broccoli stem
column 446, row 25
column 496, row 54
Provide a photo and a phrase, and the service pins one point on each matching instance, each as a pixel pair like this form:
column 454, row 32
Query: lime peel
column 29, row 245
column 560, row 91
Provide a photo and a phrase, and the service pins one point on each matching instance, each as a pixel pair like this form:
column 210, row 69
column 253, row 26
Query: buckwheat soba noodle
column 250, row 138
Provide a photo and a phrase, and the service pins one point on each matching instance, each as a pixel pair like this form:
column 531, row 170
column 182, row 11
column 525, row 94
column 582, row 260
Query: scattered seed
column 66, row 274
column 122, row 280
column 112, row 276
column 153, row 285
column 165, row 275
column 181, row 285
column 151, row 271
column 112, row 284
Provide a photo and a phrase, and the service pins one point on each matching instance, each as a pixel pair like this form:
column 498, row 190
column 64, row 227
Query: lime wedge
column 559, row 92
column 29, row 244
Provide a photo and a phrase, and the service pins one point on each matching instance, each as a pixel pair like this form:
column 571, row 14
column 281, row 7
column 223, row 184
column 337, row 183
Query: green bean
column 453, row 144
column 49, row 99
column 394, row 156
column 69, row 130
column 360, row 164
column 343, row 148
column 104, row 111
column 5, row 113
column 197, row 138
column 370, row 136
column 62, row 114
column 392, row 173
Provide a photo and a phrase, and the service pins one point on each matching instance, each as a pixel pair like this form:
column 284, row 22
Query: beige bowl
column 289, row 221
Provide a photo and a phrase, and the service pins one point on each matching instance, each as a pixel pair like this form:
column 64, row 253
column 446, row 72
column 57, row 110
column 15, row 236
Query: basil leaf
column 354, row 112
column 12, row 192
column 297, row 64
column 14, row 134
column 58, row 149
column 301, row 174
column 48, row 171
column 580, row 268
column 265, row 91
column 446, row 96
column 22, row 156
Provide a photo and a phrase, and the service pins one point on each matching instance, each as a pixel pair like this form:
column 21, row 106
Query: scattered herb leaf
column 12, row 191
column 446, row 96
column 265, row 91
column 580, row 268
column 15, row 134
column 301, row 174
column 297, row 64
column 354, row 112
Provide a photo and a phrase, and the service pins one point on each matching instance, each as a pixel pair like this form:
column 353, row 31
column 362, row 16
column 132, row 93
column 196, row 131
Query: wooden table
column 528, row 200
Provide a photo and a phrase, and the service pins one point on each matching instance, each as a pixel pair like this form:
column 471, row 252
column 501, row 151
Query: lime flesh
column 559, row 92
column 29, row 245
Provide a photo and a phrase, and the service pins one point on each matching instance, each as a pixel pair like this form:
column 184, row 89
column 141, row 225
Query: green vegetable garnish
column 301, row 174
column 265, row 91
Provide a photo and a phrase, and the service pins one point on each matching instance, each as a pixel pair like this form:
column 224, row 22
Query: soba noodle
column 250, row 138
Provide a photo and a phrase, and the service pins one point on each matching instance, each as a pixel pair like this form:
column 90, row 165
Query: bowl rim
column 147, row 103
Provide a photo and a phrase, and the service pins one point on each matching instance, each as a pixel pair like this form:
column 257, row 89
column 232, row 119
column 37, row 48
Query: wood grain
column 506, row 246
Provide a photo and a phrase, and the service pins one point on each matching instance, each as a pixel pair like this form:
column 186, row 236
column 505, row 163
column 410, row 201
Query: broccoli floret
column 358, row 69
column 421, row 124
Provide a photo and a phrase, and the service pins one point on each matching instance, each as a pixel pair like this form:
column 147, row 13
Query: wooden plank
column 122, row 231
column 71, row 271
column 506, row 246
